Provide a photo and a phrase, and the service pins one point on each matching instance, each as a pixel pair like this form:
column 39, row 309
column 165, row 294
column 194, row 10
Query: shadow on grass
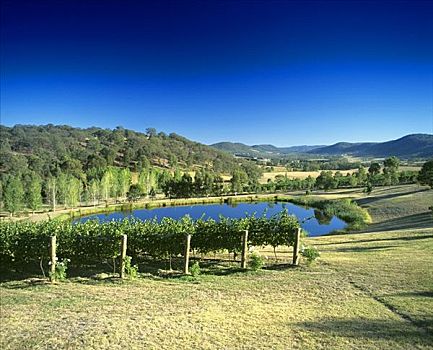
column 280, row 267
column 415, row 221
column 408, row 238
column 362, row 249
column 8, row 274
column 421, row 294
column 27, row 283
column 372, row 199
column 105, row 273
column 398, row 331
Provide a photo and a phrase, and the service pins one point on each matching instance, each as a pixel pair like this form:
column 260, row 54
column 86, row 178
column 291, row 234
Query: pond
column 312, row 220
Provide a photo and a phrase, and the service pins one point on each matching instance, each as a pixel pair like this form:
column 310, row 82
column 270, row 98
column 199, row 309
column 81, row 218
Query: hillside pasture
column 370, row 290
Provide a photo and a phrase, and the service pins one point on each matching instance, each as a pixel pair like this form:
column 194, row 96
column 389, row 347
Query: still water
column 312, row 220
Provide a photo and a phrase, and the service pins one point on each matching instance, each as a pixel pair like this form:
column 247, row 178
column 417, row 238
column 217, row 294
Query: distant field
column 298, row 174
column 411, row 168
column 280, row 170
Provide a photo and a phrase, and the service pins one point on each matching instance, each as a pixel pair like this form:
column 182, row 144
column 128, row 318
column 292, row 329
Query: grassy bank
column 347, row 210
column 371, row 291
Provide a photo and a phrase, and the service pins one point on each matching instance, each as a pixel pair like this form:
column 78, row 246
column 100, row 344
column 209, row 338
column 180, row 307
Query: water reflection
column 312, row 220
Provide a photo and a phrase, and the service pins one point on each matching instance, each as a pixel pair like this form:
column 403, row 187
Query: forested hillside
column 62, row 165
column 50, row 149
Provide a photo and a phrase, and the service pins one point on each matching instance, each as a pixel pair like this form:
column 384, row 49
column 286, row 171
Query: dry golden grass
column 297, row 174
column 409, row 167
column 367, row 291
column 371, row 291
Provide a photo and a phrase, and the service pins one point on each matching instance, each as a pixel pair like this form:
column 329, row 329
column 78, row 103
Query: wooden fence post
column 244, row 249
column 53, row 258
column 123, row 255
column 296, row 247
column 186, row 254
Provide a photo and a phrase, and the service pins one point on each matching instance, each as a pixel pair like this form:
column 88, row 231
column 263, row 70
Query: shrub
column 255, row 262
column 60, row 270
column 130, row 270
column 347, row 210
column 195, row 269
column 310, row 254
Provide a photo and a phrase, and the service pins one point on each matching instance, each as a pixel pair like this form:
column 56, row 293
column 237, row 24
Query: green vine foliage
column 92, row 242
column 195, row 269
column 130, row 270
column 60, row 270
column 255, row 262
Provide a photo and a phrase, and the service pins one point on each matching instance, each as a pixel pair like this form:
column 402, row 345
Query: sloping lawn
column 368, row 291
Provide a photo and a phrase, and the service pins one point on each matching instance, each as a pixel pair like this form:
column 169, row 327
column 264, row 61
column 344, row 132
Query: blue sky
column 280, row 72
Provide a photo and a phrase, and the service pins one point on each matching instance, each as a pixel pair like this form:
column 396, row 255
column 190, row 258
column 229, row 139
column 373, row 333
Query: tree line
column 115, row 184
column 387, row 174
column 31, row 191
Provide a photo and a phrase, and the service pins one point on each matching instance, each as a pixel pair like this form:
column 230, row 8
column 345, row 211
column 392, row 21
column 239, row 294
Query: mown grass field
column 370, row 290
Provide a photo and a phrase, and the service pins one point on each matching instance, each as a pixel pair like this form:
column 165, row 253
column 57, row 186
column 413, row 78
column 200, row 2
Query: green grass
column 367, row 291
column 400, row 207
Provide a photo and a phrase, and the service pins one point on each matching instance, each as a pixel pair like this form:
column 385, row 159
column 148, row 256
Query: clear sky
column 279, row 72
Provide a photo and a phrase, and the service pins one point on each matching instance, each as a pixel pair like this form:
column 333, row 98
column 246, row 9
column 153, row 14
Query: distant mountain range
column 264, row 151
column 410, row 146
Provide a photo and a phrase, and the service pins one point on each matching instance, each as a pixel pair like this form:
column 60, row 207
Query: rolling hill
column 265, row 151
column 409, row 146
column 46, row 149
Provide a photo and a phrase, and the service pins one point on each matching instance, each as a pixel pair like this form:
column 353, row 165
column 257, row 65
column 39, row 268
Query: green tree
column 51, row 191
column 361, row 176
column 185, row 186
column 425, row 176
column 253, row 173
column 338, row 179
column 134, row 193
column 218, row 185
column 390, row 170
column 34, row 192
column 203, row 182
column 106, row 184
column 164, row 178
column 124, row 181
column 326, row 180
column 14, row 195
column 93, row 190
column 374, row 169
column 392, row 163
column 309, row 182
column 73, row 193
column 353, row 180
column 238, row 181
column 115, row 190
column 150, row 132
column 62, row 188
column 147, row 180
column 1, row 194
